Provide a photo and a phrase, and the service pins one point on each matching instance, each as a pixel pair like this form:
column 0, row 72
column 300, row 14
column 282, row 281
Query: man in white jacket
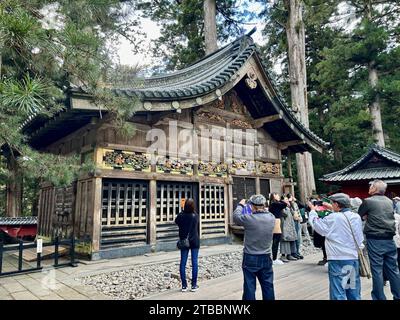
column 338, row 229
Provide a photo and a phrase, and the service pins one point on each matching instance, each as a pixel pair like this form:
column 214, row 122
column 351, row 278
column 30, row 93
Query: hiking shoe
column 283, row 259
column 298, row 256
column 184, row 289
column 291, row 258
column 278, row 262
column 322, row 262
column 194, row 289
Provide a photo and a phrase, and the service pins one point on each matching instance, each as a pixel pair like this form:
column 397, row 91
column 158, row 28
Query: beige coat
column 277, row 227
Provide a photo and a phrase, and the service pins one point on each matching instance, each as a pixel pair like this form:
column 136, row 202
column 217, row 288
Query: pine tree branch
column 230, row 19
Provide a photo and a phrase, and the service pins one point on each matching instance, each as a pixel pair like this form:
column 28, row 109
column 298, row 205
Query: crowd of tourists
column 357, row 238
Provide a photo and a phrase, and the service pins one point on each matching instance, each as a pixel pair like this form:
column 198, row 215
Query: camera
column 317, row 203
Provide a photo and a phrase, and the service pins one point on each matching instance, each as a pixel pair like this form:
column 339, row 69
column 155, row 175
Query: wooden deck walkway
column 299, row 280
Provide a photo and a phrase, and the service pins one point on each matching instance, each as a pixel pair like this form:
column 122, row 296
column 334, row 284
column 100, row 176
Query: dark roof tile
column 8, row 221
column 351, row 172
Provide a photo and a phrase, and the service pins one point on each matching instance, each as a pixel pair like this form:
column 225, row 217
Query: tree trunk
column 295, row 33
column 210, row 25
column 14, row 189
column 375, row 107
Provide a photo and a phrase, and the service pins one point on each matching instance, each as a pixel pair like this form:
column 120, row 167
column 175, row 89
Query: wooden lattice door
column 169, row 197
column 212, row 210
column 124, row 212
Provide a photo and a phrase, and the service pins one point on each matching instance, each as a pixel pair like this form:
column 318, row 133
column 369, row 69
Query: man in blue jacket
column 257, row 262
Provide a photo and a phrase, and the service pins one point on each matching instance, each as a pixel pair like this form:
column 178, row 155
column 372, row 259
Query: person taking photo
column 340, row 228
column 257, row 262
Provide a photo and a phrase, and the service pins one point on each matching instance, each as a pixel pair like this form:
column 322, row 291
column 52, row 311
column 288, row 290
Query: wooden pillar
column 227, row 209
column 97, row 213
column 290, row 172
column 14, row 189
column 40, row 213
column 152, row 223
column 230, row 202
column 258, row 185
column 200, row 211
column 289, row 167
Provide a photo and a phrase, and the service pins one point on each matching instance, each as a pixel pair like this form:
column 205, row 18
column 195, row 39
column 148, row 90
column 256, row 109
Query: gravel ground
column 140, row 281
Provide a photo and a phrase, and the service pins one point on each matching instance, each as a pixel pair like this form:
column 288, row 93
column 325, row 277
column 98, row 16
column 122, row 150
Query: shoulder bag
column 184, row 243
column 364, row 265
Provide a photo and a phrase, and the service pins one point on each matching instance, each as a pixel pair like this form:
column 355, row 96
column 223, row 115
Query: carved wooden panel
column 125, row 160
column 174, row 165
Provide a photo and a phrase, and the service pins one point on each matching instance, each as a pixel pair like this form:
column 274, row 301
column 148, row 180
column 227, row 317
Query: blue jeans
column 298, row 232
column 195, row 266
column 344, row 280
column 382, row 256
column 258, row 266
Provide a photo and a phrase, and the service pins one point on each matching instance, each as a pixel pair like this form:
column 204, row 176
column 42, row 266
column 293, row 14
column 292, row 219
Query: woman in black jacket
column 188, row 223
column 276, row 207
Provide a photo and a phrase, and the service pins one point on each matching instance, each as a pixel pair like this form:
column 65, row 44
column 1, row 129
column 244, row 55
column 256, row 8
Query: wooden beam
column 285, row 145
column 258, row 123
column 96, row 198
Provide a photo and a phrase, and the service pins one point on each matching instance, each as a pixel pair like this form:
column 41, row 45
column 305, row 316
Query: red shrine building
column 377, row 163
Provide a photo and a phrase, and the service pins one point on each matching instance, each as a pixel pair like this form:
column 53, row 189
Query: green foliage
column 28, row 96
column 47, row 47
column 337, row 61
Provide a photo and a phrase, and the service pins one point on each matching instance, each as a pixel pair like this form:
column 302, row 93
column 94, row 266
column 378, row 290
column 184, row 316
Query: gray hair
column 355, row 203
column 379, row 185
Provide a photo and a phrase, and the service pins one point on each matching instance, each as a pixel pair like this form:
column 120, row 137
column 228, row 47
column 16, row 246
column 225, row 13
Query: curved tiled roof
column 206, row 76
column 351, row 172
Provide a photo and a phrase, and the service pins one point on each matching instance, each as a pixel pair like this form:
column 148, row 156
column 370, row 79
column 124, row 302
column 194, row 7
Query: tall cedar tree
column 338, row 56
column 182, row 27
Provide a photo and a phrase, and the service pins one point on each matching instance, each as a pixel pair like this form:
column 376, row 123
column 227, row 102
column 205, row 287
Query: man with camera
column 379, row 230
column 342, row 230
column 319, row 240
column 258, row 232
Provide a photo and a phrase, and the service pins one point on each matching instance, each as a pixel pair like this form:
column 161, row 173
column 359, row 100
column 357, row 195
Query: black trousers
column 324, row 251
column 275, row 245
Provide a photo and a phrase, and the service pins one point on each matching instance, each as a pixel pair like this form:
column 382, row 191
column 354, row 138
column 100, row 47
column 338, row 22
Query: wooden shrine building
column 193, row 116
column 377, row 163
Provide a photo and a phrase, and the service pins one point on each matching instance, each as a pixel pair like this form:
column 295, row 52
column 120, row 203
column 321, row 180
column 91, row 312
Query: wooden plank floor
column 299, row 280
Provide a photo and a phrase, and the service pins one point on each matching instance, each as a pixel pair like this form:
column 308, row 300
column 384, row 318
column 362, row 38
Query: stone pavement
column 300, row 280
column 60, row 284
